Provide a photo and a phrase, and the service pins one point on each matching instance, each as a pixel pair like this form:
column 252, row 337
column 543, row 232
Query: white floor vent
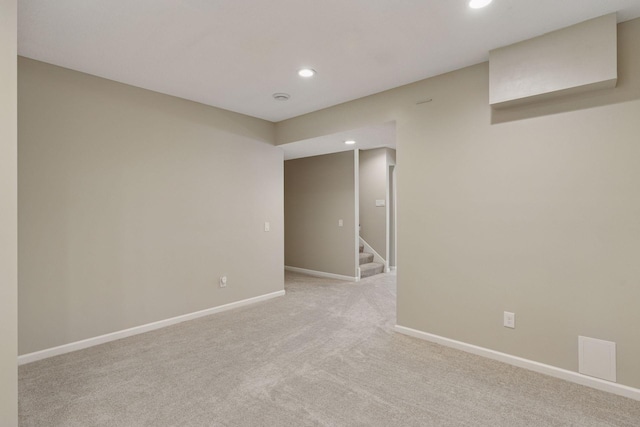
column 597, row 358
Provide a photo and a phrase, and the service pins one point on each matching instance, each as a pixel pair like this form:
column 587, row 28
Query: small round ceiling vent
column 281, row 96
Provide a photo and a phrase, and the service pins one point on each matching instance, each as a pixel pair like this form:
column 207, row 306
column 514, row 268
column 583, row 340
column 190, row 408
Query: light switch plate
column 509, row 320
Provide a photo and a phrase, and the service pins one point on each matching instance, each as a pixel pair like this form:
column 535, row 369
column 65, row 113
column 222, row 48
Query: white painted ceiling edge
column 234, row 54
column 383, row 135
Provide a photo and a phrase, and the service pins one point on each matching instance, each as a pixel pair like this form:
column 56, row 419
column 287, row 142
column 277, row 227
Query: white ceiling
column 235, row 54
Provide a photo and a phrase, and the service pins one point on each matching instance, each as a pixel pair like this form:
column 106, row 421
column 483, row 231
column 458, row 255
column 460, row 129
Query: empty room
column 379, row 213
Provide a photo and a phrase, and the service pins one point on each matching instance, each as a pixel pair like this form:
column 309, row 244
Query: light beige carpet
column 324, row 354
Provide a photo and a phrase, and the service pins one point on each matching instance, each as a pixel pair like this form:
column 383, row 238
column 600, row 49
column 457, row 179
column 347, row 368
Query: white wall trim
column 356, row 209
column 320, row 274
column 574, row 377
column 387, row 212
column 395, row 216
column 90, row 342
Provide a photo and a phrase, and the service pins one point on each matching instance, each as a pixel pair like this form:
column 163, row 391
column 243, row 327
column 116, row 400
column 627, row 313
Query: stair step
column 361, row 247
column 365, row 258
column 370, row 269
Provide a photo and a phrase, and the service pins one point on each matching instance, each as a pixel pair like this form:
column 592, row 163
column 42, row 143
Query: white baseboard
column 320, row 274
column 90, row 342
column 574, row 377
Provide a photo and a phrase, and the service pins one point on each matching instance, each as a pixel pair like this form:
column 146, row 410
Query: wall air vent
column 281, row 96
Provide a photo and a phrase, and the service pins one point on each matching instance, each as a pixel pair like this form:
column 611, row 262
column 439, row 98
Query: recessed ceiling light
column 477, row 4
column 306, row 72
column 350, row 142
column 281, row 96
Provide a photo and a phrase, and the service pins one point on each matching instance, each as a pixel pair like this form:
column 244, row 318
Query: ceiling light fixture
column 350, row 142
column 477, row 4
column 281, row 96
column 306, row 72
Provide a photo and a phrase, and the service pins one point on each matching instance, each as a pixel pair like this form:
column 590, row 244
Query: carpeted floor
column 324, row 354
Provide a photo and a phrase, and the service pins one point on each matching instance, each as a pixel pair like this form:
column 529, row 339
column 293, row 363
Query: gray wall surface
column 8, row 216
column 132, row 204
column 318, row 192
column 532, row 210
column 373, row 186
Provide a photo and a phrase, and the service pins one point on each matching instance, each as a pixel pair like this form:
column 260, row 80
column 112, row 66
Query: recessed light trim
column 281, row 96
column 478, row 4
column 350, row 142
column 306, row 72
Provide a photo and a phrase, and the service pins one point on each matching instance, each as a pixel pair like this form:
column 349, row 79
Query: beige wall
column 570, row 60
column 133, row 203
column 373, row 186
column 318, row 192
column 8, row 217
column 532, row 210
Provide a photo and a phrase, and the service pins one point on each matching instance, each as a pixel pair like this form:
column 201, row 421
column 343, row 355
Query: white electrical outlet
column 267, row 226
column 509, row 320
column 223, row 281
column 340, row 223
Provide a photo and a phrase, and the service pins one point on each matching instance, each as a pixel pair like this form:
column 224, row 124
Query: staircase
column 367, row 266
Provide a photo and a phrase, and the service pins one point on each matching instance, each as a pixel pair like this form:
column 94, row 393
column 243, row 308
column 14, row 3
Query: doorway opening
column 376, row 203
column 340, row 197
